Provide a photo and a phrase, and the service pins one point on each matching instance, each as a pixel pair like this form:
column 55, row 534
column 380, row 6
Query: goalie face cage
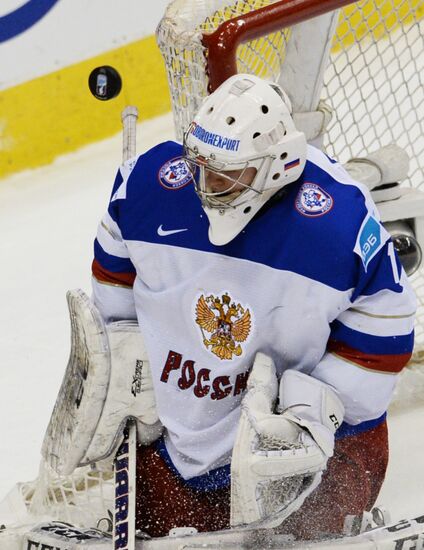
column 374, row 81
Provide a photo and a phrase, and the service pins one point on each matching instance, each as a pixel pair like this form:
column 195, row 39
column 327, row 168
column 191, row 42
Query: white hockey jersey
column 313, row 281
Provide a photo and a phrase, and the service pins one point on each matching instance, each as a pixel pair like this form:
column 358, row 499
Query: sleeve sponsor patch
column 371, row 238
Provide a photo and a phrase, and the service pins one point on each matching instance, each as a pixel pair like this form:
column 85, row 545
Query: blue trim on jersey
column 379, row 275
column 347, row 430
column 117, row 183
column 212, row 481
column 112, row 263
column 320, row 248
column 367, row 343
column 113, row 210
column 333, row 161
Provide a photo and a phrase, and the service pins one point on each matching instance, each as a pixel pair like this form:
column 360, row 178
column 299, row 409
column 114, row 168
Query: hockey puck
column 104, row 82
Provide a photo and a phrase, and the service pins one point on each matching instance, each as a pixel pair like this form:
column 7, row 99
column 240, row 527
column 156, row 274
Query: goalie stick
column 125, row 460
column 125, row 491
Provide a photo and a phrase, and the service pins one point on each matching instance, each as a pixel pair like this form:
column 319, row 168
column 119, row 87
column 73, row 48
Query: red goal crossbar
column 221, row 45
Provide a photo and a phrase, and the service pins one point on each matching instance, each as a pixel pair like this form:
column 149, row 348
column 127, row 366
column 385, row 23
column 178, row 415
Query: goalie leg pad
column 107, row 381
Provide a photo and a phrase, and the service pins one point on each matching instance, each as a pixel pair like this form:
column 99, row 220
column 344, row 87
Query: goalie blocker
column 278, row 459
column 107, row 381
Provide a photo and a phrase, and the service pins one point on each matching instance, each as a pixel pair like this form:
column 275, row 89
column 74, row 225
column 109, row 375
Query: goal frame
column 221, row 45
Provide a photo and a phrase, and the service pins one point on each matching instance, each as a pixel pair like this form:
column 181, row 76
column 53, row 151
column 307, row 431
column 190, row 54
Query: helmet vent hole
column 256, row 134
column 247, row 209
column 283, row 156
column 276, row 176
column 230, row 120
column 210, row 110
column 265, row 109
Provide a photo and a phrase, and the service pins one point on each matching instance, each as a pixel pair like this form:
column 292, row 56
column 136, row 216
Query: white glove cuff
column 313, row 405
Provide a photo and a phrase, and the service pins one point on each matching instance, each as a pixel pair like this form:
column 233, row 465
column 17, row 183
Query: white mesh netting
column 374, row 81
column 375, row 84
column 179, row 37
column 82, row 498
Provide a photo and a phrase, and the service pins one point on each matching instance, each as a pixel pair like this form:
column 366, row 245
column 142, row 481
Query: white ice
column 48, row 218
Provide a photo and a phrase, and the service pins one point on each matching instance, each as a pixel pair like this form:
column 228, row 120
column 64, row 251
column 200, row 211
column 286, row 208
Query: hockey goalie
column 250, row 314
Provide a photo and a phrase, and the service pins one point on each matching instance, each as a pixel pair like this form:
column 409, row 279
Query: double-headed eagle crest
column 227, row 322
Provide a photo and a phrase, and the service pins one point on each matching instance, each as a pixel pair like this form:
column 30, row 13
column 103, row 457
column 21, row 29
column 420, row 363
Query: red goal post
column 221, row 45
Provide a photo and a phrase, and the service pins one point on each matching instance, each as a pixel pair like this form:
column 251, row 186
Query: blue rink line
column 21, row 19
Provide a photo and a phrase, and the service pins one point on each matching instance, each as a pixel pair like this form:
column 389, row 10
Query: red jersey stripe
column 377, row 362
column 110, row 277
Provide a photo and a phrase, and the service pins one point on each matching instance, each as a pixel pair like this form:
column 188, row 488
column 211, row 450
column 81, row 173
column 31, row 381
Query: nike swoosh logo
column 165, row 232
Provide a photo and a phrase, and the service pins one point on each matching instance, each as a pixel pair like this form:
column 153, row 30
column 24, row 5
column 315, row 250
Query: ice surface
column 48, row 219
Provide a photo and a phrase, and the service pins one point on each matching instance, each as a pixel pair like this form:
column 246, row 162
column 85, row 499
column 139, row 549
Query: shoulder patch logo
column 369, row 240
column 227, row 323
column 312, row 201
column 175, row 174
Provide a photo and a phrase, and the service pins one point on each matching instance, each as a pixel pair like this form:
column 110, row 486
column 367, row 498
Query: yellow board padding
column 56, row 113
column 374, row 19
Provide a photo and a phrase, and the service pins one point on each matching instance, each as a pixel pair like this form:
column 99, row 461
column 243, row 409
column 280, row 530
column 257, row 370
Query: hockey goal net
column 373, row 83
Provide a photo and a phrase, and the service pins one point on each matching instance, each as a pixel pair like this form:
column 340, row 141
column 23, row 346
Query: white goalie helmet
column 244, row 134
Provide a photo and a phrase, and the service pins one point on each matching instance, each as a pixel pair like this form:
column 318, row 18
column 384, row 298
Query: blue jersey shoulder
column 160, row 196
column 312, row 230
column 154, row 158
column 328, row 194
column 319, row 220
column 353, row 211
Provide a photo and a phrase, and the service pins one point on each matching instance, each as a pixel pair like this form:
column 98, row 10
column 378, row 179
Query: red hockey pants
column 350, row 485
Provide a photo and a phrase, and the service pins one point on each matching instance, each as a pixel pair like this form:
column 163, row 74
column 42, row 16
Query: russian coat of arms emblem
column 227, row 323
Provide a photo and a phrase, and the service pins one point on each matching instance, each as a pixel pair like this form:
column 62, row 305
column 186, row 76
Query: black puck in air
column 104, row 82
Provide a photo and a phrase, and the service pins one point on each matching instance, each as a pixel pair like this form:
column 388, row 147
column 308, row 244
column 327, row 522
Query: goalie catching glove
column 279, row 457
